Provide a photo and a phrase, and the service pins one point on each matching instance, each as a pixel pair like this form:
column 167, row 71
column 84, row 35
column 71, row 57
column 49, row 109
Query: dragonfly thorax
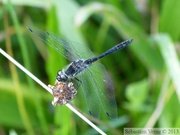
column 73, row 69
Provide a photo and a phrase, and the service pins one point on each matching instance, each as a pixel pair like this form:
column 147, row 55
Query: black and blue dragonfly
column 93, row 77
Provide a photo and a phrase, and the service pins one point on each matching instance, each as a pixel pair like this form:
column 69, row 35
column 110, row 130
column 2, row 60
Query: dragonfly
column 92, row 76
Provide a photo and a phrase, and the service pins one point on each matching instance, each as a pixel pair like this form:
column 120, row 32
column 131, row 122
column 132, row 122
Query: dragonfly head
column 61, row 76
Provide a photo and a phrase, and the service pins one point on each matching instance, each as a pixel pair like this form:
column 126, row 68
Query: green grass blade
column 170, row 57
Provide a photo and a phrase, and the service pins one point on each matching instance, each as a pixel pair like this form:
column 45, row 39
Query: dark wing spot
column 107, row 114
column 90, row 113
column 47, row 32
column 30, row 30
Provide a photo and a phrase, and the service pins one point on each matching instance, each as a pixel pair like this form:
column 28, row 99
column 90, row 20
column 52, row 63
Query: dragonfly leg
column 76, row 82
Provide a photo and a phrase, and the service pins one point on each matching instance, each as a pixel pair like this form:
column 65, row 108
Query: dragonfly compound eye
column 61, row 76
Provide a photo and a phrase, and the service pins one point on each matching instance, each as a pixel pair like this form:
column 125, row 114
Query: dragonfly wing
column 92, row 100
column 104, row 89
column 62, row 46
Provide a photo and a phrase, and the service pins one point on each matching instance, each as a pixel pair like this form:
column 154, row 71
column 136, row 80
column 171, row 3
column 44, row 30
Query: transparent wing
column 68, row 49
column 61, row 45
column 99, row 91
column 103, row 88
column 75, row 49
column 91, row 98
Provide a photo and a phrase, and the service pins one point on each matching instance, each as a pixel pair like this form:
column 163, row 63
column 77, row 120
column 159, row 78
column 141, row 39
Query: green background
column 146, row 74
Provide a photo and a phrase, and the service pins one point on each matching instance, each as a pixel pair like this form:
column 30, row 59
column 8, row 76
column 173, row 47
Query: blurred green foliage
column 146, row 74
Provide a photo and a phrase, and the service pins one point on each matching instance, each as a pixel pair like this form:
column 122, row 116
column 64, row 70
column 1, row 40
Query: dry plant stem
column 16, row 83
column 155, row 18
column 49, row 90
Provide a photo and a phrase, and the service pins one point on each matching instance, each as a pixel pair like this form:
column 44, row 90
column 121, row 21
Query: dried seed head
column 63, row 92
